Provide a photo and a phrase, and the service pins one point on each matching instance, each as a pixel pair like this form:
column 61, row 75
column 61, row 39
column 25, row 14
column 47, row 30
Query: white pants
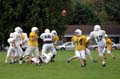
column 49, row 47
column 80, row 54
column 11, row 51
column 87, row 51
column 101, row 50
column 101, row 47
column 45, row 58
column 19, row 51
column 32, row 51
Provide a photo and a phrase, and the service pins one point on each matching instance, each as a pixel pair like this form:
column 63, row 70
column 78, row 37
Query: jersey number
column 99, row 38
column 47, row 36
column 79, row 41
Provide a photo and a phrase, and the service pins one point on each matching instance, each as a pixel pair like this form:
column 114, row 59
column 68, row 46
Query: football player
column 44, row 58
column 109, row 46
column 11, row 50
column 24, row 38
column 17, row 37
column 99, row 36
column 32, row 48
column 55, row 40
column 79, row 41
column 47, row 38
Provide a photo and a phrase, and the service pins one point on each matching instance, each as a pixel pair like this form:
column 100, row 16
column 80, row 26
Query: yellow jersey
column 22, row 36
column 33, row 39
column 108, row 43
column 79, row 42
column 56, row 38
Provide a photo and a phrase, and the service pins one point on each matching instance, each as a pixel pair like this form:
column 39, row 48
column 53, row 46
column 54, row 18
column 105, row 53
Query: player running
column 99, row 36
column 79, row 41
column 109, row 46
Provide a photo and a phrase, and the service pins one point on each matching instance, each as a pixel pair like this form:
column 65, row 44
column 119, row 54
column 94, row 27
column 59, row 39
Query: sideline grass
column 61, row 69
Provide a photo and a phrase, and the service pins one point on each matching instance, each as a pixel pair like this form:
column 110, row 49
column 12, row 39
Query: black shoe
column 85, row 64
column 103, row 65
column 94, row 61
column 68, row 61
column 15, row 61
column 105, row 58
column 114, row 57
column 52, row 60
column 82, row 66
column 11, row 62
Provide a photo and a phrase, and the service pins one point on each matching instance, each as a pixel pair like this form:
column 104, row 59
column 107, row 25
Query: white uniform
column 18, row 42
column 48, row 43
column 25, row 40
column 99, row 37
column 44, row 58
column 11, row 49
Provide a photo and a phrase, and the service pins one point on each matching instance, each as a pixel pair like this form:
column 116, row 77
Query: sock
column 53, row 57
column 21, row 58
column 103, row 62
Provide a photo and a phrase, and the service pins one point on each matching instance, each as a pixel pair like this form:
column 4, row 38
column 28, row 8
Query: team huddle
column 25, row 49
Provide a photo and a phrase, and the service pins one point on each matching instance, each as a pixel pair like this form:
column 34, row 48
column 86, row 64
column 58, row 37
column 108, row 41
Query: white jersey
column 11, row 42
column 24, row 40
column 17, row 38
column 47, row 37
column 99, row 37
column 44, row 57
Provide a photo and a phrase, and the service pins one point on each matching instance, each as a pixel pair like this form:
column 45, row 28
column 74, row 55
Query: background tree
column 112, row 8
column 28, row 13
column 83, row 14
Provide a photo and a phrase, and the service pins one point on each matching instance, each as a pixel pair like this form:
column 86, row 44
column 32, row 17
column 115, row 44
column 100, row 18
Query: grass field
column 61, row 69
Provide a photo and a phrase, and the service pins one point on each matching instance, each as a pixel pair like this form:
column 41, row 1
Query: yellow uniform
column 22, row 36
column 55, row 40
column 79, row 42
column 33, row 39
column 108, row 43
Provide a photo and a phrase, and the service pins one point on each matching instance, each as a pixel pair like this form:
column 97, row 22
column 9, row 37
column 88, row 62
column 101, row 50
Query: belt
column 47, row 42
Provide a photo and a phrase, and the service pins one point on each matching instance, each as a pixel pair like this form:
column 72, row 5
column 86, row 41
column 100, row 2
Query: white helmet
column 97, row 27
column 47, row 31
column 106, row 35
column 18, row 29
column 54, row 32
column 78, row 31
column 34, row 29
column 11, row 35
column 50, row 54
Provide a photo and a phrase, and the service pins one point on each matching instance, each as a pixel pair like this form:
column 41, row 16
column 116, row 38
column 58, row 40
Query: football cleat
column 103, row 65
column 68, row 61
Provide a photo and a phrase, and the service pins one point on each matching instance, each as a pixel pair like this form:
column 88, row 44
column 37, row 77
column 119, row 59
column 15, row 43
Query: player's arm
column 90, row 37
column 41, row 36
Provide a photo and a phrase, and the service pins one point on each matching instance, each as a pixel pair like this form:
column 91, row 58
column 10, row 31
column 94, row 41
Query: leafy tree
column 83, row 14
column 112, row 8
column 28, row 13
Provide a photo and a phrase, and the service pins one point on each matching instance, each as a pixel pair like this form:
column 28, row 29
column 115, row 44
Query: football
column 63, row 13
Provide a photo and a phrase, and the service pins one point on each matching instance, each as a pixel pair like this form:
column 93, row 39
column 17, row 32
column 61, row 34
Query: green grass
column 61, row 69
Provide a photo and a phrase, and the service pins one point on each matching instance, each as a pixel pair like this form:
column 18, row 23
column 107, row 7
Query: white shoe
column 20, row 62
column 5, row 61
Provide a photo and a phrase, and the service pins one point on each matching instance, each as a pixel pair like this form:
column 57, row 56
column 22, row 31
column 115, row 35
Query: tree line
column 47, row 14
